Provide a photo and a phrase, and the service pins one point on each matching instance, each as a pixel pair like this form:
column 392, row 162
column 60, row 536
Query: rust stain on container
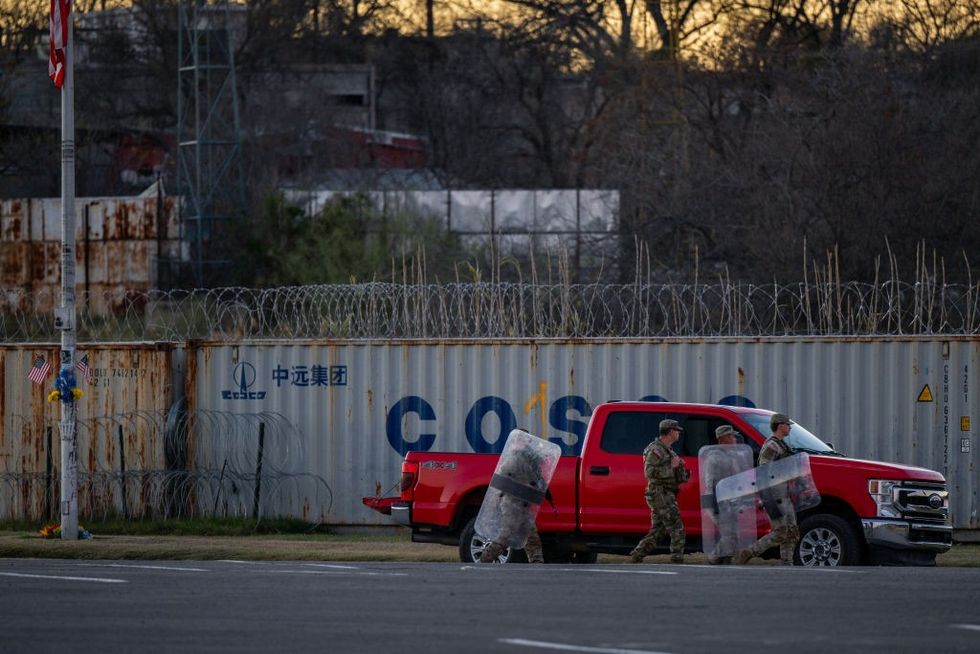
column 116, row 248
column 131, row 389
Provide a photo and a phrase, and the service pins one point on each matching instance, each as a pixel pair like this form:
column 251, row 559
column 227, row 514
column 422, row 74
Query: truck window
column 628, row 432
column 698, row 432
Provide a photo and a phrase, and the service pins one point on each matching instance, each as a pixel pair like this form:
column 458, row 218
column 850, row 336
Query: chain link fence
column 169, row 465
column 509, row 310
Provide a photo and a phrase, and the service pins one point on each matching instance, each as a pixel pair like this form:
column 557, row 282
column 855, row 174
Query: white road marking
column 969, row 627
column 347, row 573
column 333, row 565
column 574, row 648
column 65, row 578
column 142, row 567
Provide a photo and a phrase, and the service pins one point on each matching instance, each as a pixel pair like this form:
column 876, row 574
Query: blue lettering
column 559, row 419
column 474, row 424
column 393, row 425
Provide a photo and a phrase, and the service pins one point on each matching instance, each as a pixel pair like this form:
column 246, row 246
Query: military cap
column 725, row 430
column 667, row 425
column 777, row 419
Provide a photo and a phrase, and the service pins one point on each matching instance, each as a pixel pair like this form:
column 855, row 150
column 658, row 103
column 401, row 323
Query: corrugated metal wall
column 118, row 243
column 361, row 405
column 133, row 385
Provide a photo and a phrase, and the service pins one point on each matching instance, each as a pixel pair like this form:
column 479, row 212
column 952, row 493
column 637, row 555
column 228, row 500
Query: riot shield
column 517, row 488
column 727, row 526
column 782, row 486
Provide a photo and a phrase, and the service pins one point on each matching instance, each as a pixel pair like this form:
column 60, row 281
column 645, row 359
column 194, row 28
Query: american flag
column 60, row 17
column 82, row 364
column 40, row 370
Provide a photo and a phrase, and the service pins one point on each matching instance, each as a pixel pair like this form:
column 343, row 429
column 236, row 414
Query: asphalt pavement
column 236, row 606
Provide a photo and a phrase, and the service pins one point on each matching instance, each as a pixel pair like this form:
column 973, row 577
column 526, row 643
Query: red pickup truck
column 870, row 512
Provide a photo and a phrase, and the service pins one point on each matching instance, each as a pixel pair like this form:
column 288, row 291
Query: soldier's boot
column 786, row 549
column 491, row 552
column 677, row 558
column 534, row 555
column 533, row 549
column 742, row 557
column 786, row 554
column 636, row 556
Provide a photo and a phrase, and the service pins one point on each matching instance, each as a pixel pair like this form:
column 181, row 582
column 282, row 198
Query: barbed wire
column 174, row 464
column 501, row 310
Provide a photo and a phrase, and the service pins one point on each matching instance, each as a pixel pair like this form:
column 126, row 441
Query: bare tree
column 928, row 24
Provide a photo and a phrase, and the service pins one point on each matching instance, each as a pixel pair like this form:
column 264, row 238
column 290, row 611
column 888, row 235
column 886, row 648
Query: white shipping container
column 361, row 405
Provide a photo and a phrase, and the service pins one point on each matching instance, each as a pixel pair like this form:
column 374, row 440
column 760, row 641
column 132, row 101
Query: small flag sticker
column 82, row 365
column 39, row 371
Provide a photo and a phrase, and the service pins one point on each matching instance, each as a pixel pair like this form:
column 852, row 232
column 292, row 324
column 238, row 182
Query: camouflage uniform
column 533, row 550
column 785, row 532
column 725, row 515
column 526, row 470
column 661, row 496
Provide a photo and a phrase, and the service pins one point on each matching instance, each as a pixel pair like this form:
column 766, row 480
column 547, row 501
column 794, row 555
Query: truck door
column 612, row 481
column 612, row 478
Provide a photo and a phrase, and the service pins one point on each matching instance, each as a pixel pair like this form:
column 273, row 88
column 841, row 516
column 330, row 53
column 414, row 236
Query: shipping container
column 121, row 432
column 119, row 242
column 358, row 406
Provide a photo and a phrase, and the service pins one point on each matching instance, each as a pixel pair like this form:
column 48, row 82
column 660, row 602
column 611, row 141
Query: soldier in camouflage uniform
column 524, row 469
column 665, row 472
column 723, row 466
column 785, row 532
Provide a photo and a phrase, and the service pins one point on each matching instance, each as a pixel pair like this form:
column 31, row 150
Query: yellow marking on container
column 541, row 397
column 925, row 395
column 964, row 423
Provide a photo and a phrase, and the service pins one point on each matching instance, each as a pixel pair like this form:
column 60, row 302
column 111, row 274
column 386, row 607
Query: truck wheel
column 471, row 547
column 827, row 540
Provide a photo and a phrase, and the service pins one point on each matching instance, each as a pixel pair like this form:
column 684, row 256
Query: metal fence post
column 48, row 478
column 122, row 472
column 258, row 471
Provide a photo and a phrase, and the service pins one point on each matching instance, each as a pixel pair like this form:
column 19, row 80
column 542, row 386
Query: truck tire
column 827, row 540
column 471, row 546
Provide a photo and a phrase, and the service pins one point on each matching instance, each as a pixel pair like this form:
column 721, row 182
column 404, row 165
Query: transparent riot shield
column 730, row 525
column 517, row 488
column 782, row 486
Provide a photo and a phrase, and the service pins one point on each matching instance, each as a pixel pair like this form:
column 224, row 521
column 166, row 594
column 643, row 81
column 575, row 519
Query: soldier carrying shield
column 776, row 502
column 726, row 526
column 517, row 488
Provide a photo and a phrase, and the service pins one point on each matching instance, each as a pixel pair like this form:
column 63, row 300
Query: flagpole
column 66, row 314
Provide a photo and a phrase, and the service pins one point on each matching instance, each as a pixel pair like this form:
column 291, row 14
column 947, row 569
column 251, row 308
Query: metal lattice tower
column 210, row 182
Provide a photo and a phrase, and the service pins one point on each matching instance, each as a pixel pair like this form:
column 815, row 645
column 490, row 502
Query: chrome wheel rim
column 821, row 547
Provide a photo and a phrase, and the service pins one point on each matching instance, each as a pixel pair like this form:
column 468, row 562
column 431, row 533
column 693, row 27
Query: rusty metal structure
column 118, row 244
column 142, row 454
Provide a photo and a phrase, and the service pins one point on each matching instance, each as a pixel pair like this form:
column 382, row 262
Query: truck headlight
column 883, row 492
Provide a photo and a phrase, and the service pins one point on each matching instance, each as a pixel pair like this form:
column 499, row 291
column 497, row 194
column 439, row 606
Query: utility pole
column 64, row 316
